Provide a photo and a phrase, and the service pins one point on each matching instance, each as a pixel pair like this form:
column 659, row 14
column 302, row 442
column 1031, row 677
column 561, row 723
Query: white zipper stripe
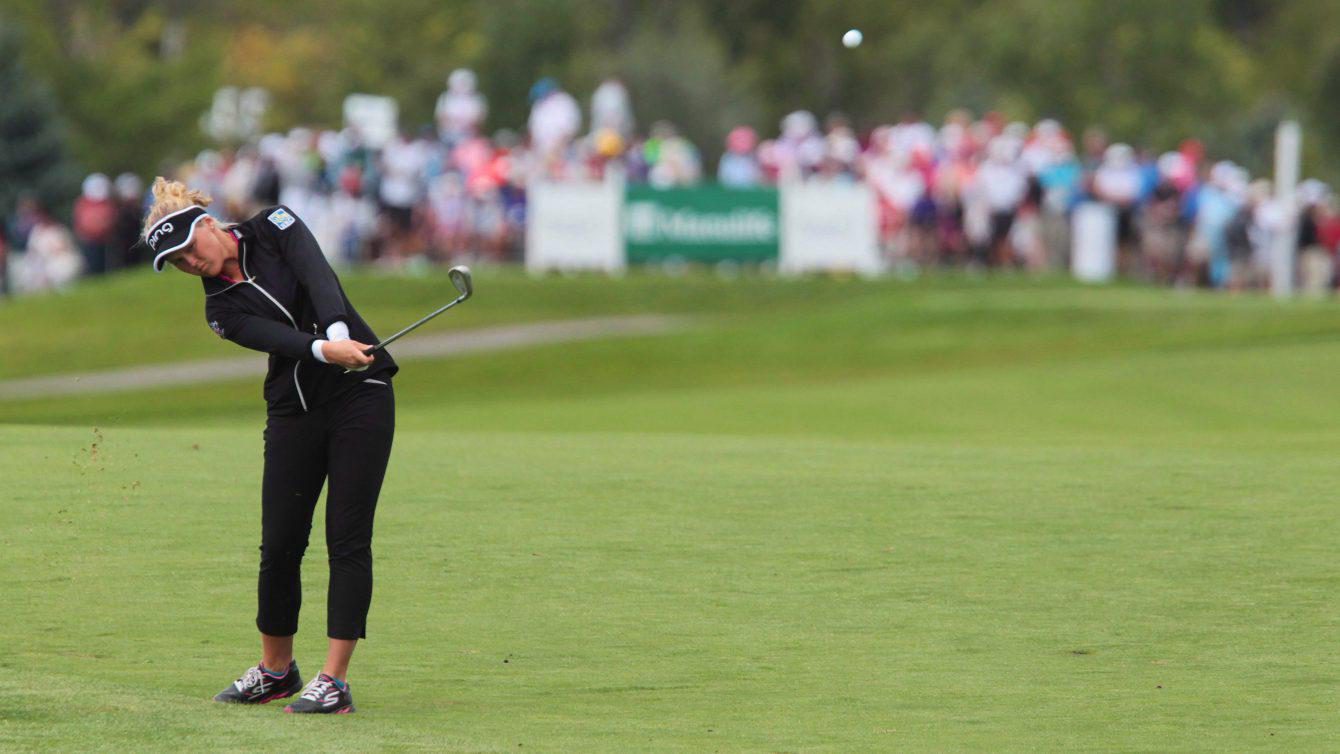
column 242, row 259
column 276, row 303
column 229, row 288
column 298, row 385
column 241, row 253
column 301, row 398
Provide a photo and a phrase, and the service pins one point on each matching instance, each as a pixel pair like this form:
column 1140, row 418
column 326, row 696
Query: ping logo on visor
column 173, row 232
column 158, row 234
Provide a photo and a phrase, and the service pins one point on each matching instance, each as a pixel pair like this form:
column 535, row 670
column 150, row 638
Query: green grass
column 830, row 516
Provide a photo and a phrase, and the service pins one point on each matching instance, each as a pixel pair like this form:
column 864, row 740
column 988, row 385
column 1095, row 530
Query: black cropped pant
column 347, row 440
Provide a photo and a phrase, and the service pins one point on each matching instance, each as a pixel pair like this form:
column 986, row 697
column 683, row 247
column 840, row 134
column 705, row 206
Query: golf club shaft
column 407, row 330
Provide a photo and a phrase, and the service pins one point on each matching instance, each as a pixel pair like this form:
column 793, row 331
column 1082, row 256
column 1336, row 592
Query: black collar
column 217, row 285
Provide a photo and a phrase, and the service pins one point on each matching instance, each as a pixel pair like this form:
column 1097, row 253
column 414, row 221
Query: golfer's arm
column 268, row 336
column 304, row 256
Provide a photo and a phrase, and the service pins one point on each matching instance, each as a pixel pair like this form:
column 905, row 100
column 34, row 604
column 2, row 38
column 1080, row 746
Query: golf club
column 460, row 278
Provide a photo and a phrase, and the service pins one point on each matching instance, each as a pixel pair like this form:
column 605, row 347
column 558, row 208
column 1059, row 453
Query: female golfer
column 331, row 415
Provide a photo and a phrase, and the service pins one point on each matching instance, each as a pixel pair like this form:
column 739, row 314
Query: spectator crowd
column 992, row 193
column 971, row 192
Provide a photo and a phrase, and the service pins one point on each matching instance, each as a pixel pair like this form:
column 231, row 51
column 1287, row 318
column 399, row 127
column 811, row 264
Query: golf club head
column 460, row 277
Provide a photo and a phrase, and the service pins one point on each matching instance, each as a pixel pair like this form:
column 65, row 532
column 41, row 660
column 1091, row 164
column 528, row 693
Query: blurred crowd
column 993, row 193
column 972, row 191
column 50, row 254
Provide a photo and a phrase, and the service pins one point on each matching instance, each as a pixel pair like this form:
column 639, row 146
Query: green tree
column 133, row 76
column 132, row 79
column 677, row 70
column 33, row 155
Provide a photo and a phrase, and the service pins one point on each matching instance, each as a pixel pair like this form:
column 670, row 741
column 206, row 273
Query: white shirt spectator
column 611, row 108
column 1045, row 148
column 801, row 147
column 1000, row 180
column 1118, row 179
column 461, row 109
column 894, row 179
column 297, row 174
column 906, row 138
column 554, row 121
column 739, row 171
column 402, row 173
column 52, row 260
column 239, row 181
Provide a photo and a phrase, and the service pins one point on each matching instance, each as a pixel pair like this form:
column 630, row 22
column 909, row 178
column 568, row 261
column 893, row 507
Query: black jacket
column 288, row 298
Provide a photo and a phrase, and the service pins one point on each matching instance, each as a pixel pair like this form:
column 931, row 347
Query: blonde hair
column 170, row 196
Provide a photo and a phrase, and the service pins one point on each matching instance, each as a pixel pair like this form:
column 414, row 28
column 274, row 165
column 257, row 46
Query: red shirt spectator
column 1328, row 230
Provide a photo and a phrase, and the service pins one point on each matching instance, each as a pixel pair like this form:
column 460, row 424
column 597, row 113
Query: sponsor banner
column 704, row 224
column 574, row 226
column 829, row 227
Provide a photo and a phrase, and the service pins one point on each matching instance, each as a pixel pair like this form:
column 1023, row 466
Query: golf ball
column 852, row 38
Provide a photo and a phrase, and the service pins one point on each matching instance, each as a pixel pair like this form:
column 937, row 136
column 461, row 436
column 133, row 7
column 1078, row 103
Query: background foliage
column 132, row 77
column 33, row 154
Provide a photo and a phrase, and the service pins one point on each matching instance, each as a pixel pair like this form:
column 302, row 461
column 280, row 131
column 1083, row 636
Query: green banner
column 701, row 224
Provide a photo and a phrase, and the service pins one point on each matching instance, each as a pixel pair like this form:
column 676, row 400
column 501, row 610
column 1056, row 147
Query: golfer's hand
column 347, row 353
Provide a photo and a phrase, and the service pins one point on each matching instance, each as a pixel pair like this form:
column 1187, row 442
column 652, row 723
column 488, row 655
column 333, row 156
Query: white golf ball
column 852, row 38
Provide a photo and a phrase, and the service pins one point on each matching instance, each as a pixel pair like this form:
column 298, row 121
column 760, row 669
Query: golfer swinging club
column 331, row 415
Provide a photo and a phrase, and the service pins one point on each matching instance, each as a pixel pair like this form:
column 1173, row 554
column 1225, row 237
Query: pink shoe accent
column 274, row 696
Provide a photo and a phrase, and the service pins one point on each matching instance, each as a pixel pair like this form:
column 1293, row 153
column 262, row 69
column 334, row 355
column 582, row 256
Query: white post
column 1093, row 242
column 1288, row 143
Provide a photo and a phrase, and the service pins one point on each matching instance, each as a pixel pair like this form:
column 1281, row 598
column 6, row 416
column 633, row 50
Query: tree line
column 128, row 80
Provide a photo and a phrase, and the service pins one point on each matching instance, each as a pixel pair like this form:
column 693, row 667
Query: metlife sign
column 701, row 224
column 803, row 227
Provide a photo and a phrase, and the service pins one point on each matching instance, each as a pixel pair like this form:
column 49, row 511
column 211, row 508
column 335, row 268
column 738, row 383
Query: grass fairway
column 827, row 517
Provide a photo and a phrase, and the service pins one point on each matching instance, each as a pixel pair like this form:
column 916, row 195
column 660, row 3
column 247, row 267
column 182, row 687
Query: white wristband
column 316, row 351
column 338, row 331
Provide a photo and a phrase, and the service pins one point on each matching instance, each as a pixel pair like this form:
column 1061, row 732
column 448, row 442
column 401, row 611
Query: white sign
column 829, row 227
column 375, row 119
column 1093, row 250
column 574, row 226
column 236, row 114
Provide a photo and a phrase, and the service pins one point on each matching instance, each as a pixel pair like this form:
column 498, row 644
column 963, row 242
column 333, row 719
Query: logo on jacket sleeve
column 216, row 327
column 281, row 218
